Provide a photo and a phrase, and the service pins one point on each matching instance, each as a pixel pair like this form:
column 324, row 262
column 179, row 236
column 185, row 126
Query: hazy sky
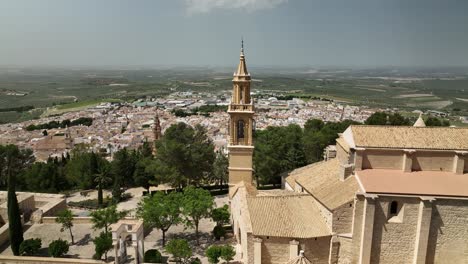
column 208, row 32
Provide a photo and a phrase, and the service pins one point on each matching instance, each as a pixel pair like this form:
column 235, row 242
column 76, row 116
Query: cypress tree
column 14, row 218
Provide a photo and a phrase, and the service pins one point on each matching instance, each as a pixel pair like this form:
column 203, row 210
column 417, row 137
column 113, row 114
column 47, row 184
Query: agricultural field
column 53, row 91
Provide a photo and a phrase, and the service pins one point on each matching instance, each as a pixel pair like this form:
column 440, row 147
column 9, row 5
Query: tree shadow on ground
column 84, row 241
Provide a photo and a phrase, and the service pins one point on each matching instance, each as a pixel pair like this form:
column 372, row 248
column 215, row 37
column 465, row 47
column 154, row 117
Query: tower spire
column 242, row 68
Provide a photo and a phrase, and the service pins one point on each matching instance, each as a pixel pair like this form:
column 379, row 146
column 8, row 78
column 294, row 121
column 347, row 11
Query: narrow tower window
column 394, row 208
column 240, row 129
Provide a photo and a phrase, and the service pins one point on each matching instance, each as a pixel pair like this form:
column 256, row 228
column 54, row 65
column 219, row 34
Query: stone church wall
column 393, row 242
column 276, row 250
column 346, row 253
column 353, row 252
column 448, row 235
column 382, row 159
column 433, row 161
column 343, row 218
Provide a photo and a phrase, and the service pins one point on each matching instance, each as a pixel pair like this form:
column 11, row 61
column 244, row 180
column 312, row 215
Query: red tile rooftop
column 434, row 183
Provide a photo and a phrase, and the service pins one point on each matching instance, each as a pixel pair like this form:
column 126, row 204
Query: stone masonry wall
column 353, row 254
column 433, row 161
column 422, row 160
column 382, row 159
column 343, row 218
column 317, row 250
column 346, row 253
column 448, row 235
column 276, row 250
column 393, row 242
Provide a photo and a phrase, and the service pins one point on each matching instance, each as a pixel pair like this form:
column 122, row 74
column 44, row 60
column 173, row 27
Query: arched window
column 241, row 98
column 240, row 129
column 394, row 208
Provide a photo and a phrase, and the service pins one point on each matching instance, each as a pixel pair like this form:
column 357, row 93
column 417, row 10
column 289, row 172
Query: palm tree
column 101, row 179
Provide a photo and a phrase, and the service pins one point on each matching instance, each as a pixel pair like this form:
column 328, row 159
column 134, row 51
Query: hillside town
column 128, row 125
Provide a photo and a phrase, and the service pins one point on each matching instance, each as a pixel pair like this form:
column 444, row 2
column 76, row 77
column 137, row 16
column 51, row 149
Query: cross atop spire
column 242, row 44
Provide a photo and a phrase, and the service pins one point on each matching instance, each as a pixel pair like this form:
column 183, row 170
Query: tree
column 101, row 179
column 44, row 177
column 30, row 247
column 102, row 244
column 221, row 215
column 220, row 169
column 313, row 125
column 398, row 120
column 143, row 176
column 180, row 250
column 277, row 150
column 103, row 218
column 161, row 211
column 58, row 248
column 65, row 218
column 12, row 160
column 377, row 118
column 196, row 205
column 186, row 153
column 122, row 168
column 434, row 121
column 382, row 118
column 82, row 168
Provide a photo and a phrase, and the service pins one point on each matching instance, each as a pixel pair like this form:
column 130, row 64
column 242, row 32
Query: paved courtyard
column 84, row 233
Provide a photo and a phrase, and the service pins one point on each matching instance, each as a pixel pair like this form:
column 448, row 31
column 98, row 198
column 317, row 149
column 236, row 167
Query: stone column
column 408, row 159
column 293, row 249
column 422, row 230
column 367, row 229
column 141, row 249
column 257, row 250
column 116, row 252
column 137, row 255
column 459, row 161
column 358, row 158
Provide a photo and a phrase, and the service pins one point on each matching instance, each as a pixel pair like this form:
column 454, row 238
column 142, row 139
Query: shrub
column 227, row 252
column 195, row 261
column 215, row 252
column 218, row 232
column 102, row 244
column 153, row 256
column 58, row 248
column 30, row 247
column 221, row 215
column 179, row 248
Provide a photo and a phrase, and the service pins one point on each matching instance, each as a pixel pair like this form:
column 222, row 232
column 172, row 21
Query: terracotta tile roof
column 432, row 183
column 403, row 137
column 321, row 180
column 291, row 178
column 340, row 141
column 294, row 216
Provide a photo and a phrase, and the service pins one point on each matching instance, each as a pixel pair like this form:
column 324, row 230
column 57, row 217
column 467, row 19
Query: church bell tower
column 241, row 111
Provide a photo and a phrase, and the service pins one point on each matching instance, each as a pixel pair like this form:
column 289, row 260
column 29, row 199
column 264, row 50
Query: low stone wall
column 45, row 260
column 76, row 220
column 53, row 207
column 4, row 234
